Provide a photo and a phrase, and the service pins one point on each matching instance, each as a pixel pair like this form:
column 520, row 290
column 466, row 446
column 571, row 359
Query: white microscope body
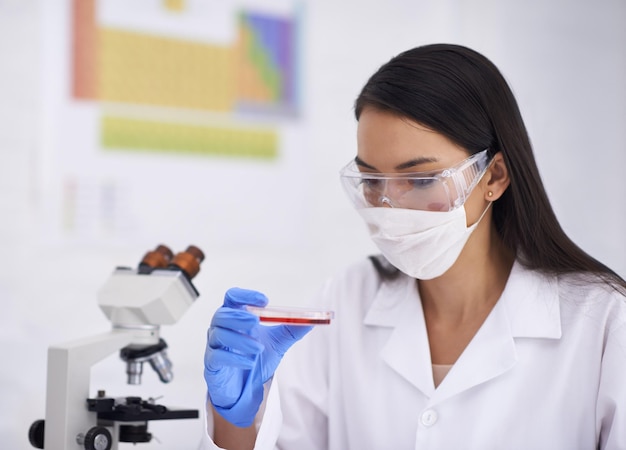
column 137, row 302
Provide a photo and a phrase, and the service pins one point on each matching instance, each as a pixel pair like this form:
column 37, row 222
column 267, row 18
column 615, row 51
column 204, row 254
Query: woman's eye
column 421, row 183
column 371, row 183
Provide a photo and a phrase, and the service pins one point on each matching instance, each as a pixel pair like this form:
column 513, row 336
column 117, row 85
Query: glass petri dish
column 291, row 315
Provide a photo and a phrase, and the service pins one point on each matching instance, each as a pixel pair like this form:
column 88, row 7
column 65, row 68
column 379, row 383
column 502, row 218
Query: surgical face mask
column 422, row 244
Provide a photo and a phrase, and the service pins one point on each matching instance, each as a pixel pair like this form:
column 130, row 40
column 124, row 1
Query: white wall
column 566, row 61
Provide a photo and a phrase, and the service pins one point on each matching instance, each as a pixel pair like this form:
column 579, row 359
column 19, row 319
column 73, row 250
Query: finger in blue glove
column 242, row 355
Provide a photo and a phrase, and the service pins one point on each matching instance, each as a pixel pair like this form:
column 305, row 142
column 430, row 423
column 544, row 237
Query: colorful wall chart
column 257, row 73
column 169, row 118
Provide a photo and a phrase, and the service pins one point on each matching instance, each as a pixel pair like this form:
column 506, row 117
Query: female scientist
column 481, row 325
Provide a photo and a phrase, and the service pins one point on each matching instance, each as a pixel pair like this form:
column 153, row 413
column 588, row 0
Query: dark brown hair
column 461, row 94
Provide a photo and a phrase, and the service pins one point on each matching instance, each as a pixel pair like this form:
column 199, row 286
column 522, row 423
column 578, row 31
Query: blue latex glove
column 241, row 355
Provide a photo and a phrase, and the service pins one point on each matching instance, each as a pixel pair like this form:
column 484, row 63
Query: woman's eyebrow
column 415, row 162
column 360, row 162
column 403, row 166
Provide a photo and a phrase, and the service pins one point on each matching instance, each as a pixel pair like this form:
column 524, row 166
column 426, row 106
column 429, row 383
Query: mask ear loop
column 481, row 216
column 489, row 194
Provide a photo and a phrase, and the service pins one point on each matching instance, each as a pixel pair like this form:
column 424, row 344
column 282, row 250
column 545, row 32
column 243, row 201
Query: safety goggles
column 442, row 190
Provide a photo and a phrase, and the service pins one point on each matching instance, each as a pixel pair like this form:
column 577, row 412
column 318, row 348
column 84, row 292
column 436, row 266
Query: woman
column 481, row 325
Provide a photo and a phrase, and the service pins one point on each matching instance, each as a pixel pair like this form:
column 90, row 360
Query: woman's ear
column 496, row 179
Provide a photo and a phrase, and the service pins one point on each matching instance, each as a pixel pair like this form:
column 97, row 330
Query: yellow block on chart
column 174, row 5
column 137, row 134
column 151, row 70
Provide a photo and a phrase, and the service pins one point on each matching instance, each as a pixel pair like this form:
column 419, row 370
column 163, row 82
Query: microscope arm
column 69, row 367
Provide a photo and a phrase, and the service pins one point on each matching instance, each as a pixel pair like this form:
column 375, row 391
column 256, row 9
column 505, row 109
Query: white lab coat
column 547, row 370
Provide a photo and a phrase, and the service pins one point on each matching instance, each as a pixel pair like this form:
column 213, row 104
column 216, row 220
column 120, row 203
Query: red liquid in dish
column 295, row 320
column 293, row 316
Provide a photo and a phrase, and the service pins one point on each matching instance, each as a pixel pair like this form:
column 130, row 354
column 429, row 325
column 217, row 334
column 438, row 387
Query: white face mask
column 422, row 244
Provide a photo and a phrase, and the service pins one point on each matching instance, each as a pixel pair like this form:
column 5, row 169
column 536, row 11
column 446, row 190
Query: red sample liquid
column 291, row 315
column 295, row 320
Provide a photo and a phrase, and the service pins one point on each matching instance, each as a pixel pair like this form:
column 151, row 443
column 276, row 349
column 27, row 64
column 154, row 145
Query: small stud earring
column 489, row 194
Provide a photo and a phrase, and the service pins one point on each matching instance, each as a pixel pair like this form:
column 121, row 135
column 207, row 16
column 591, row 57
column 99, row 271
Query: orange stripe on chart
column 84, row 48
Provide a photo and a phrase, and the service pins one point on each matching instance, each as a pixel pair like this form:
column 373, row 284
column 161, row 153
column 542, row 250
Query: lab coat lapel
column 528, row 308
column 397, row 305
column 489, row 354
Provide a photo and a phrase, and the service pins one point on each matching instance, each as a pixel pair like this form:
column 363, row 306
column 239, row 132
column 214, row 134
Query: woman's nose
column 385, row 202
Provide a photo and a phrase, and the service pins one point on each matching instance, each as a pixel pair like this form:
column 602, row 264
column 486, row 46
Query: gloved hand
column 241, row 355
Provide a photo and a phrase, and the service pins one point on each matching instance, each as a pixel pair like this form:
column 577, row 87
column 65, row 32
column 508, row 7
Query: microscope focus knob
column 36, row 433
column 98, row 438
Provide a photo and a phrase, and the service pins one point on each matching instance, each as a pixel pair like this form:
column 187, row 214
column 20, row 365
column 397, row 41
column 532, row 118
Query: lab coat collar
column 531, row 301
column 528, row 308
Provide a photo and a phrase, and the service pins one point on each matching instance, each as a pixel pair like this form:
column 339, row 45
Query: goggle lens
column 430, row 191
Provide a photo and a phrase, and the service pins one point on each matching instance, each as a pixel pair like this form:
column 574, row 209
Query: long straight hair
column 459, row 93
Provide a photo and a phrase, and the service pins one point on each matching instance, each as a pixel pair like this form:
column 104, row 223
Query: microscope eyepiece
column 188, row 261
column 158, row 258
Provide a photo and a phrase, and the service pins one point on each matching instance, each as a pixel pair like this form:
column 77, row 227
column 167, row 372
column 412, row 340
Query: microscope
column 137, row 301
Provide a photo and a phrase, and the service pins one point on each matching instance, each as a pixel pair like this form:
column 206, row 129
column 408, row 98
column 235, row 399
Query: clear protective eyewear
column 440, row 190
